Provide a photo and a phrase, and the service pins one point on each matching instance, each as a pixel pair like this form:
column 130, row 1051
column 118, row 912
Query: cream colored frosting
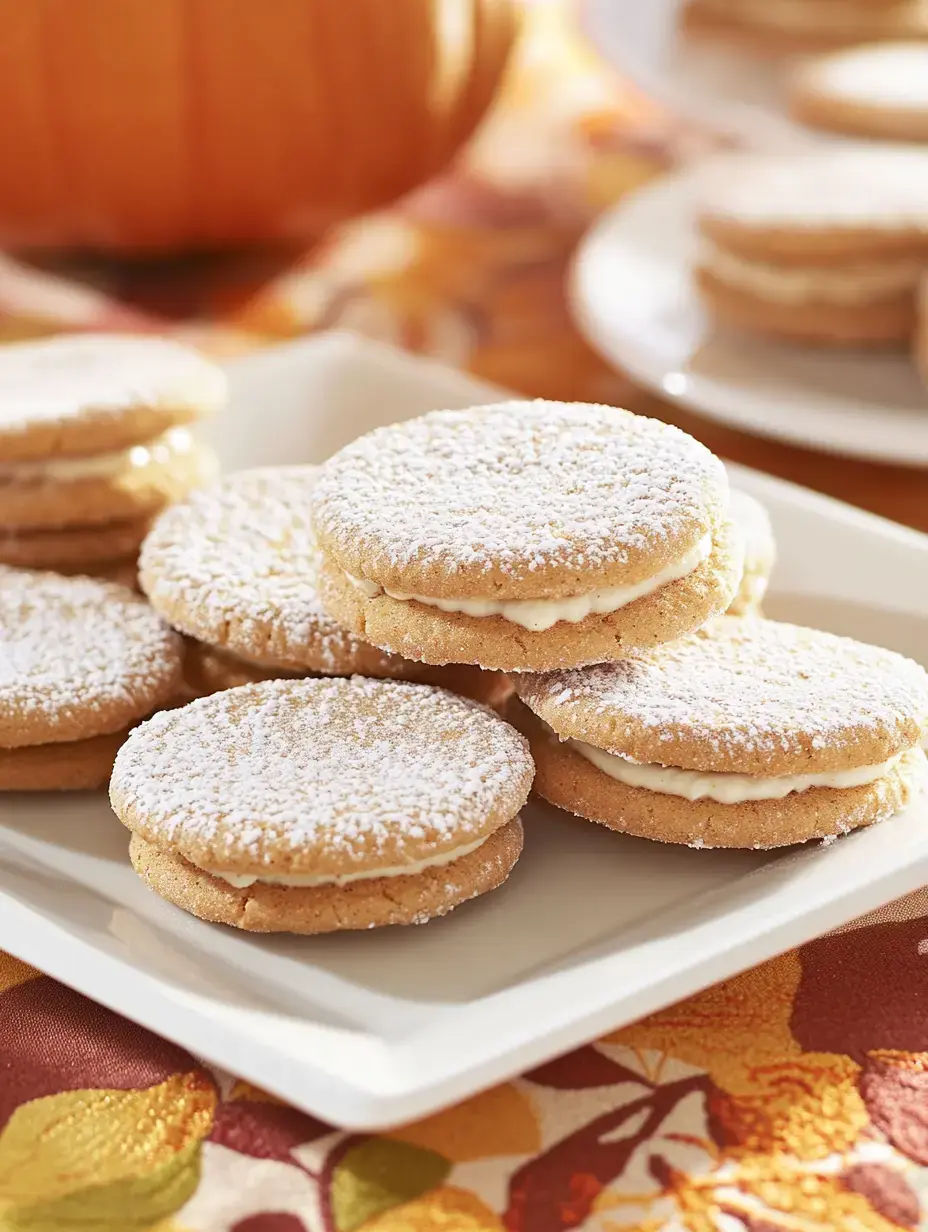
column 791, row 284
column 308, row 881
column 540, row 614
column 163, row 449
column 722, row 788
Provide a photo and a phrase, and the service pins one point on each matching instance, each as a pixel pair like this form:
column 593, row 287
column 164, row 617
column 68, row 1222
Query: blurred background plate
column 633, row 298
column 735, row 95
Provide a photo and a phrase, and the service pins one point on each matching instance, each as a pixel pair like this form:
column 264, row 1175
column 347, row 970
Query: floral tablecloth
column 793, row 1098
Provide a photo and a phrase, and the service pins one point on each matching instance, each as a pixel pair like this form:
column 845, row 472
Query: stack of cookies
column 95, row 438
column 81, row 661
column 878, row 90
column 824, row 248
column 788, row 27
column 589, row 554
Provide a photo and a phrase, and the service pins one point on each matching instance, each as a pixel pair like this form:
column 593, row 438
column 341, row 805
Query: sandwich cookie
column 524, row 535
column 748, row 733
column 789, row 27
column 309, row 806
column 95, row 437
column 878, row 91
column 235, row 569
column 760, row 553
column 823, row 247
column 80, row 662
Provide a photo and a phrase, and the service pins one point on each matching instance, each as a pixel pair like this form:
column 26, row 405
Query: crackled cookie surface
column 322, row 804
column 524, row 535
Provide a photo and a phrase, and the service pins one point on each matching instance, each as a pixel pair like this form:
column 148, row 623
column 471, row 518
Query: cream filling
column 540, row 614
column 722, row 788
column 784, row 284
column 308, row 881
column 163, row 449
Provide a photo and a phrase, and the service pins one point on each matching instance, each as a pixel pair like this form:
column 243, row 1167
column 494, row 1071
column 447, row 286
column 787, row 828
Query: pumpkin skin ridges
column 191, row 124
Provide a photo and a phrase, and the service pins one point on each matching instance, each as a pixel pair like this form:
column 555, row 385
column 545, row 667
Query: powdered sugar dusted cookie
column 88, row 394
column 760, row 553
column 878, row 90
column 315, row 805
column 744, row 734
column 79, row 659
column 524, row 535
column 235, row 567
column 824, row 247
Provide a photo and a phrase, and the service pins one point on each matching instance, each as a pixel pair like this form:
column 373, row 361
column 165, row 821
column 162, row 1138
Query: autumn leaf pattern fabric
column 793, row 1098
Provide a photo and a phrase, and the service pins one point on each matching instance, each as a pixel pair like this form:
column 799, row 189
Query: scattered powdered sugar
column 242, row 553
column 56, row 379
column 739, row 691
column 516, row 487
column 877, row 187
column 75, row 652
column 321, row 773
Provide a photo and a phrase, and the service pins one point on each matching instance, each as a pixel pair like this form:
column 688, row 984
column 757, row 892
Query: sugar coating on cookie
column 78, row 658
column 236, row 566
column 890, row 76
column 527, row 500
column 86, row 393
column 746, row 697
column 827, row 193
column 321, row 778
column 524, row 536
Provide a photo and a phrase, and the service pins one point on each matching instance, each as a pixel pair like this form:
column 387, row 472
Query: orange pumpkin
column 178, row 124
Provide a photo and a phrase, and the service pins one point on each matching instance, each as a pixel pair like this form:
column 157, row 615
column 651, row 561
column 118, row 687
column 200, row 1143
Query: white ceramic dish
column 592, row 930
column 733, row 94
column 633, row 297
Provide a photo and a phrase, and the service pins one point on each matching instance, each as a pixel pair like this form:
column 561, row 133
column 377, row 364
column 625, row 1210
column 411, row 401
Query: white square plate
column 593, row 929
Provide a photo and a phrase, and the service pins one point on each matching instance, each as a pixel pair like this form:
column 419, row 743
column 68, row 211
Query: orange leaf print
column 730, row 1030
column 809, row 1107
column 496, row 1122
column 13, row 971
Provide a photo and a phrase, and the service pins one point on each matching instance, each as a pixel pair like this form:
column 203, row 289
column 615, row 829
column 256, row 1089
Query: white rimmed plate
column 731, row 93
column 593, row 929
column 632, row 296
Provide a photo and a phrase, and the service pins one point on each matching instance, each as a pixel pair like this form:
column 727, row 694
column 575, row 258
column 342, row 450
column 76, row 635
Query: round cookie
column 774, row 28
column 760, row 553
column 78, row 659
column 73, row 549
column 125, row 485
column 74, row 765
column 878, row 90
column 522, row 536
column 235, row 567
column 96, row 393
column 744, row 734
column 382, row 802
column 823, row 247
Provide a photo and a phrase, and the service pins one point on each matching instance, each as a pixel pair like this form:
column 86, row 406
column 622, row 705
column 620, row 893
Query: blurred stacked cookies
column 790, row 27
column 96, row 436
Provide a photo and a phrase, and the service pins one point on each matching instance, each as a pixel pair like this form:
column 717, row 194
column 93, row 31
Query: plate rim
column 608, row 342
